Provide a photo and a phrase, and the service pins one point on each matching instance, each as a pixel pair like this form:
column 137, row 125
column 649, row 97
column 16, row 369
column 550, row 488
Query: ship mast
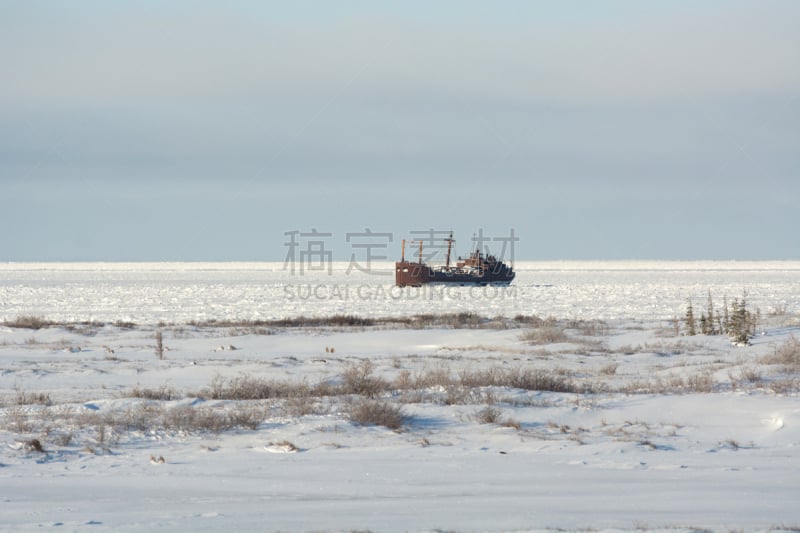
column 449, row 246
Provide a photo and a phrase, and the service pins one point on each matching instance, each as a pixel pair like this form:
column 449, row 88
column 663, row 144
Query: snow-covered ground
column 632, row 428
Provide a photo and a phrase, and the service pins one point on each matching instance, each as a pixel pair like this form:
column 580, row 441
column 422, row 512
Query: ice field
column 181, row 292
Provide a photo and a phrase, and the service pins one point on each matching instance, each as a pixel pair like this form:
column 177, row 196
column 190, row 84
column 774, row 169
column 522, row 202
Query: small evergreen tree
column 691, row 325
column 726, row 322
column 740, row 321
column 733, row 319
column 159, row 344
column 710, row 308
column 756, row 320
column 704, row 329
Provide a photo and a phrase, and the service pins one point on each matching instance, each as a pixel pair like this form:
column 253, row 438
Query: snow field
column 655, row 432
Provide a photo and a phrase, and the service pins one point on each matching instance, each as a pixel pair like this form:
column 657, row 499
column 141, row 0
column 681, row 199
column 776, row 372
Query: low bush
column 538, row 380
column 293, row 322
column 366, row 412
column 702, row 382
column 163, row 393
column 787, row 354
column 545, row 335
column 302, row 406
column 28, row 322
column 488, row 415
column 359, row 379
column 529, row 320
column 589, row 328
column 518, row 378
column 246, row 387
column 438, row 376
column 32, row 398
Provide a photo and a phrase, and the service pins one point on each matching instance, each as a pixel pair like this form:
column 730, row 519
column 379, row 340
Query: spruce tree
column 733, row 320
column 704, row 329
column 740, row 321
column 756, row 320
column 744, row 319
column 691, row 326
column 726, row 323
column 710, row 305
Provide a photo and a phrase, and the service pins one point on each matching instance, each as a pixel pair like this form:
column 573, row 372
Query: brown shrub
column 28, row 322
column 247, row 387
column 488, row 415
column 787, row 354
column 359, row 379
column 163, row 393
column 32, row 398
column 530, row 320
column 378, row 413
column 538, row 380
column 545, row 335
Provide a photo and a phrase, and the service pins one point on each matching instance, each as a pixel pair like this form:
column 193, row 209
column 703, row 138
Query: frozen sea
column 181, row 292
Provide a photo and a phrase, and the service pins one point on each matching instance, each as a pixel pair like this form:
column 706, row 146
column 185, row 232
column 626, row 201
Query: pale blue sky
column 205, row 130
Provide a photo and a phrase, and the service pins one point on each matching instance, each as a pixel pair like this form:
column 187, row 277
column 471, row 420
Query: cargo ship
column 477, row 269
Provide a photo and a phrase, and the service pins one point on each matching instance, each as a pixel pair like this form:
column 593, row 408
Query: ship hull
column 409, row 274
column 471, row 279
